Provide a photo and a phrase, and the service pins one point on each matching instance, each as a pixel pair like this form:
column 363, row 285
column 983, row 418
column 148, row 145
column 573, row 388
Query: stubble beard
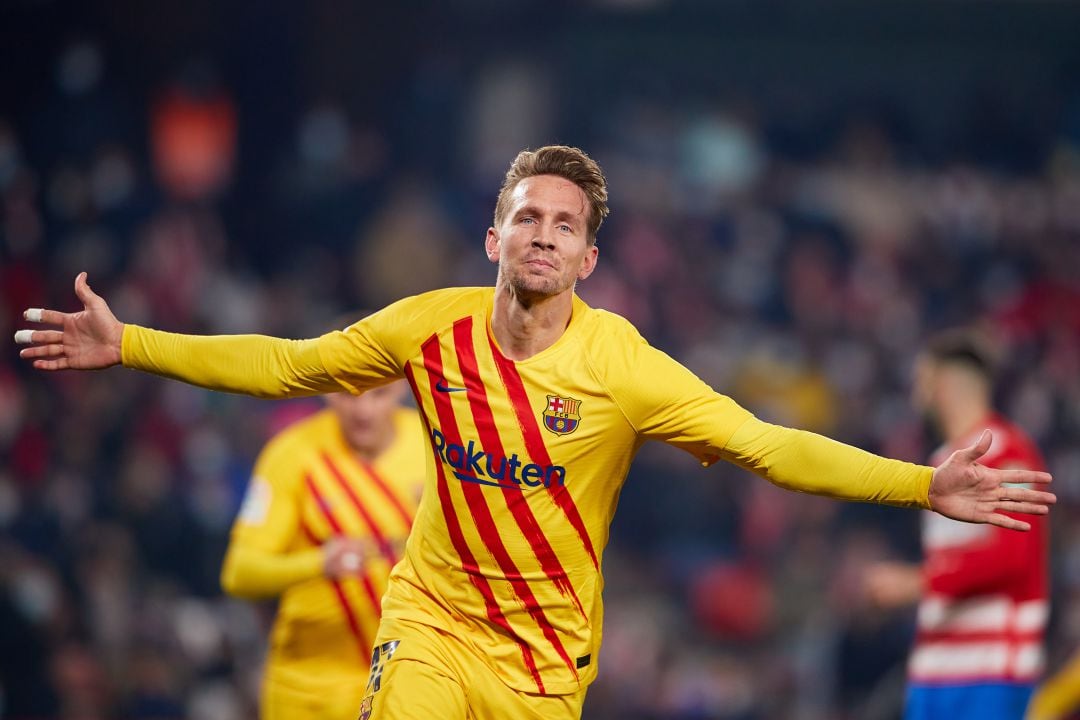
column 533, row 287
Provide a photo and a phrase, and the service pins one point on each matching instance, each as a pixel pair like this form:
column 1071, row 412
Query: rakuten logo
column 472, row 464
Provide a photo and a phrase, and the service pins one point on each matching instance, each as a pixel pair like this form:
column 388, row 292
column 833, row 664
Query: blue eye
column 527, row 220
column 566, row 228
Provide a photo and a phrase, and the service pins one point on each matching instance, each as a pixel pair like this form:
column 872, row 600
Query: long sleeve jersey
column 525, row 459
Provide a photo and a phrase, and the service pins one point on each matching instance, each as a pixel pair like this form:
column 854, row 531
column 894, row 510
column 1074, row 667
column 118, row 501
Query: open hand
column 86, row 340
column 963, row 489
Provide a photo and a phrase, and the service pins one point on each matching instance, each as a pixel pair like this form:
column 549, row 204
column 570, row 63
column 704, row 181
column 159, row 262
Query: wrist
column 118, row 344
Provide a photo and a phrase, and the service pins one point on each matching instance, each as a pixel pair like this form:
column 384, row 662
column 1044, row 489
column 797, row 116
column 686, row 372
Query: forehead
column 550, row 192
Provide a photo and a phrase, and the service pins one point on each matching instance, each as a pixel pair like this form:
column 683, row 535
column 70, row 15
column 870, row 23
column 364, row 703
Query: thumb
column 980, row 447
column 83, row 291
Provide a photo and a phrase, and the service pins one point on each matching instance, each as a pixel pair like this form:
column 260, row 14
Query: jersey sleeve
column 256, row 365
column 260, row 560
column 811, row 463
column 665, row 401
column 662, row 400
column 374, row 350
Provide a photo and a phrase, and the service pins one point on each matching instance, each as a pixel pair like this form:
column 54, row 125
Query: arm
column 266, row 555
column 253, row 364
column 252, row 573
column 806, row 462
column 256, row 365
column 665, row 401
column 960, row 488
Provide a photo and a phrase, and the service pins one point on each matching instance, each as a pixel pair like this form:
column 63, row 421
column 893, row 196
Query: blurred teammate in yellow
column 325, row 517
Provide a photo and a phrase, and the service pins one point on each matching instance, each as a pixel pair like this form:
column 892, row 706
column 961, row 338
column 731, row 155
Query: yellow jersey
column 525, row 459
column 308, row 486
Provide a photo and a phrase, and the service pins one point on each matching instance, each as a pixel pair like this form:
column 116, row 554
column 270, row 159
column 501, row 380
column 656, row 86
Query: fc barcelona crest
column 561, row 415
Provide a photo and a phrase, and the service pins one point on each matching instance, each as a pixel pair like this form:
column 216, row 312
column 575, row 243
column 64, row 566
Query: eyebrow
column 560, row 215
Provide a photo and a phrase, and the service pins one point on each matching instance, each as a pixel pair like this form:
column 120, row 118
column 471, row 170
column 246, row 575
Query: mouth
column 540, row 263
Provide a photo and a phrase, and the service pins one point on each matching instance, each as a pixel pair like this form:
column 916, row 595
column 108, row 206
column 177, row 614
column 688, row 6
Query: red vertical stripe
column 365, row 580
column 380, row 482
column 481, row 513
column 310, row 534
column 376, row 532
column 534, row 443
column 492, row 443
column 453, row 525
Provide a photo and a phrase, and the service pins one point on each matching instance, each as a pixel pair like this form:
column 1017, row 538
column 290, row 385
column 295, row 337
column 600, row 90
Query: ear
column 588, row 263
column 491, row 245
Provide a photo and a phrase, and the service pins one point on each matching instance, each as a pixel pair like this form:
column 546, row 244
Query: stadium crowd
column 797, row 275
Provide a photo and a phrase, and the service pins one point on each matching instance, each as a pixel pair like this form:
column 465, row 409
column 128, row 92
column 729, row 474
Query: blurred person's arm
column 252, row 573
column 249, row 572
column 893, row 584
column 1058, row 697
column 269, row 551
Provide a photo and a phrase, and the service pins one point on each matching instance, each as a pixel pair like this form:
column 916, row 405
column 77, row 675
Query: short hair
column 566, row 162
column 963, row 347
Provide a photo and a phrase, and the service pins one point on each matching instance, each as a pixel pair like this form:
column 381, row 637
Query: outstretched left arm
column 960, row 488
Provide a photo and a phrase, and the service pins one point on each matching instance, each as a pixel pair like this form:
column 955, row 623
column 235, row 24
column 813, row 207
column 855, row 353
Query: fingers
column 41, row 315
column 61, row 364
column 1019, row 494
column 54, row 350
column 32, row 337
column 1007, row 522
column 1022, row 477
column 1027, row 508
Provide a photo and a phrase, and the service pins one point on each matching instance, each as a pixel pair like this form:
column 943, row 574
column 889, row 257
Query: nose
column 544, row 238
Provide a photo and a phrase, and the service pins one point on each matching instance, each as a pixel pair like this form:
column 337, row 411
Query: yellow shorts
column 281, row 701
column 421, row 672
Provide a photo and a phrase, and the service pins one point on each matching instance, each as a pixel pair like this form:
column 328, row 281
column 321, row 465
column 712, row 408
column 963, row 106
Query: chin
column 536, row 287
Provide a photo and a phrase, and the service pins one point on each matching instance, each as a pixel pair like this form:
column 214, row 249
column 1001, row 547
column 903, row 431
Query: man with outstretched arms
column 534, row 405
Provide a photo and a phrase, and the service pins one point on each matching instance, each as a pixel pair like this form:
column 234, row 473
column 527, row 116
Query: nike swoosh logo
column 441, row 386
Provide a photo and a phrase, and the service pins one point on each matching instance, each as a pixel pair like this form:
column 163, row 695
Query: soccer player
column 324, row 518
column 534, row 405
column 982, row 590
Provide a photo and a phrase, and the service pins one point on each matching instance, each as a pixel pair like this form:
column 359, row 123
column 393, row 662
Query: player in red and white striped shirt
column 984, row 591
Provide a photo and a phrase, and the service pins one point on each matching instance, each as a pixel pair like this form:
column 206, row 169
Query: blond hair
column 565, row 162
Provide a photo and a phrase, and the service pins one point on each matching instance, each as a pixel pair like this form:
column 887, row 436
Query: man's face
column 541, row 244
column 367, row 420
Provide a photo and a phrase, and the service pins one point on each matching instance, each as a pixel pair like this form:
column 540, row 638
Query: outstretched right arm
column 251, row 364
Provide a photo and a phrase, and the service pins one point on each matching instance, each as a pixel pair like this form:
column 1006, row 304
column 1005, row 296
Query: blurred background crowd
column 800, row 192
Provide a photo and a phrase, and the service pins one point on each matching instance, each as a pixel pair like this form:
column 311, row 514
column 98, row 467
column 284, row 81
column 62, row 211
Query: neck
column 526, row 326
